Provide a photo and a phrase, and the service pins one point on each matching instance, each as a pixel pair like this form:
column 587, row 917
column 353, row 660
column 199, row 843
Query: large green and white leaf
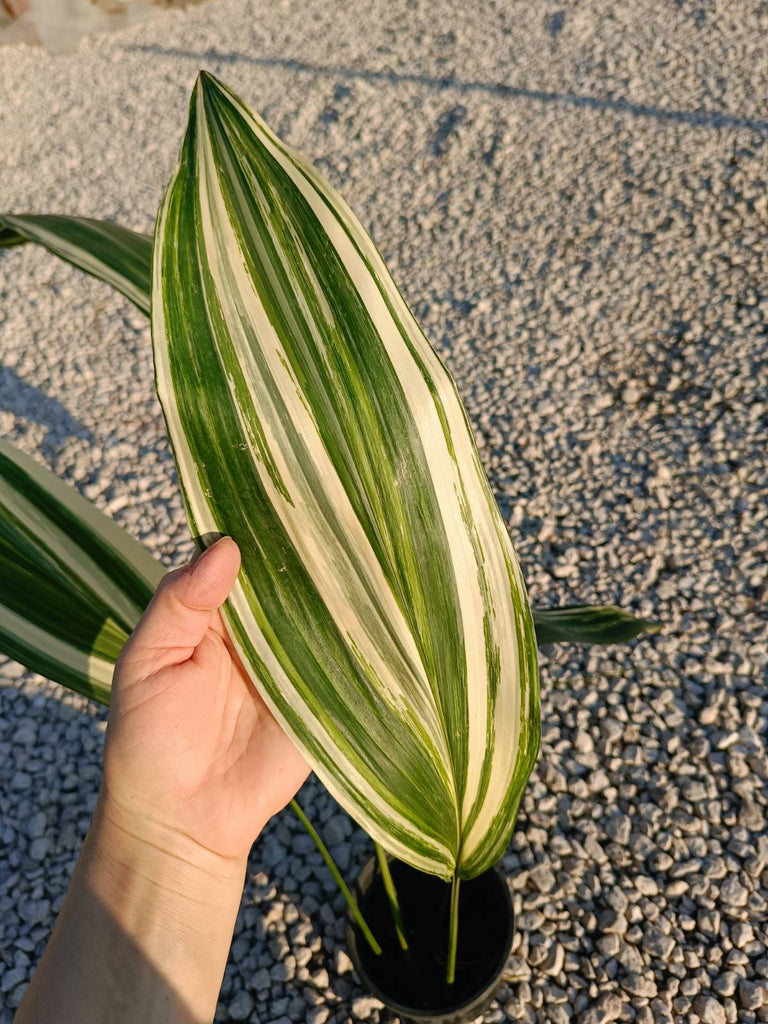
column 588, row 624
column 380, row 608
column 114, row 254
column 73, row 584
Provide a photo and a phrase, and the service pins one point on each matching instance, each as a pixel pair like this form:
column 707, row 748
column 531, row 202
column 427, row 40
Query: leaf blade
column 589, row 624
column 107, row 251
column 381, row 572
column 73, row 584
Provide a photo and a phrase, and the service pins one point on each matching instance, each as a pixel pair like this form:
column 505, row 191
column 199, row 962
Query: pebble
column 709, row 1010
column 35, row 911
column 320, row 979
column 40, row 848
column 261, row 980
column 639, row 985
column 337, row 829
column 609, row 945
column 542, row 878
column 11, row 979
column 607, row 1010
column 657, row 943
column 646, row 886
column 517, row 969
column 725, row 984
column 733, row 892
column 751, row 995
column 554, row 961
column 610, row 921
column 241, row 1006
column 342, row 963
column 618, row 827
column 37, row 826
column 364, row 1006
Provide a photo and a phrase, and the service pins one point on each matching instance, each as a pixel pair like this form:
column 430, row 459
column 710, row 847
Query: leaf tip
column 207, row 84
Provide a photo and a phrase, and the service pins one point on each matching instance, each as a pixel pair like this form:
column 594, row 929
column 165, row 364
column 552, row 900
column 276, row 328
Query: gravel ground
column 573, row 198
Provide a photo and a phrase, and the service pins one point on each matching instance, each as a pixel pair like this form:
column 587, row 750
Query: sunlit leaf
column 380, row 609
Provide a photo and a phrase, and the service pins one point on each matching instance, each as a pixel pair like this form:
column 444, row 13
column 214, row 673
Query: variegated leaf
column 73, row 584
column 114, row 254
column 588, row 624
column 380, row 608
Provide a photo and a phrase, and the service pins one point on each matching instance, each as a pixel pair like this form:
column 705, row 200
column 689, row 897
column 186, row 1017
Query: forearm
column 143, row 935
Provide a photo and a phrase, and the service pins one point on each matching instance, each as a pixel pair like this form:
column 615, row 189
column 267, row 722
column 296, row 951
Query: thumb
column 179, row 615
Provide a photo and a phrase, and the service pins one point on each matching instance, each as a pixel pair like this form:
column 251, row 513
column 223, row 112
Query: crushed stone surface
column 573, row 198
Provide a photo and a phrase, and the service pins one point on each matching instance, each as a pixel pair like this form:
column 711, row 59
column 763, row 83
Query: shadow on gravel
column 697, row 118
column 30, row 403
column 50, row 776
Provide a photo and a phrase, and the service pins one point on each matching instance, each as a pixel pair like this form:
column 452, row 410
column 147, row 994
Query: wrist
column 122, row 840
column 163, row 909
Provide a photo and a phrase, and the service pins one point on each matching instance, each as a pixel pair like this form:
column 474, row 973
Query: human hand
column 194, row 766
column 193, row 758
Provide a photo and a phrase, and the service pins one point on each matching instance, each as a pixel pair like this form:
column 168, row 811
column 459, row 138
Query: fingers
column 180, row 613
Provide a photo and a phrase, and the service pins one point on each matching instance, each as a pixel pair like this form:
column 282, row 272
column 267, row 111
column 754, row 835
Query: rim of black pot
column 415, row 1013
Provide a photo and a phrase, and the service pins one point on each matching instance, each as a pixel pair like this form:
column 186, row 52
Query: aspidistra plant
column 380, row 609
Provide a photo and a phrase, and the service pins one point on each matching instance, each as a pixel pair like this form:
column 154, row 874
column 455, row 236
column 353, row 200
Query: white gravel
column 573, row 198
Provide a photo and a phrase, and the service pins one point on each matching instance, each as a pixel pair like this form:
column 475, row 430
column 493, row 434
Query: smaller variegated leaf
column 589, row 624
column 113, row 254
column 73, row 584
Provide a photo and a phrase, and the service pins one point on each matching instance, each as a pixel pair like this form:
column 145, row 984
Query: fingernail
column 204, row 551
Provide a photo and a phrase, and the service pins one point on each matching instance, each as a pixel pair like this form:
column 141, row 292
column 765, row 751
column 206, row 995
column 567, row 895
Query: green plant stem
column 394, row 903
column 453, row 932
column 345, row 892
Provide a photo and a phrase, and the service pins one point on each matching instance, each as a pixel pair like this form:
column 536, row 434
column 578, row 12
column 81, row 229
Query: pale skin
column 194, row 767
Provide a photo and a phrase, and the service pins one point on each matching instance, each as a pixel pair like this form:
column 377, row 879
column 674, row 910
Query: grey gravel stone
column 647, row 886
column 618, row 828
column 607, row 1009
column 262, row 980
column 609, row 945
column 725, row 984
column 21, row 781
column 38, row 823
column 733, row 892
column 25, row 735
column 318, row 1015
column 750, row 995
column 241, row 1007
column 16, row 995
column 709, row 1010
column 364, row 1006
column 554, row 961
column 639, row 985
column 658, row 944
column 320, row 979
column 40, row 848
column 35, row 911
column 337, row 829
column 741, row 932
column 610, row 921
column 542, row 878
column 11, row 979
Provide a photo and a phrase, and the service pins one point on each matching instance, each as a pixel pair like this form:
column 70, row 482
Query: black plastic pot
column 413, row 984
